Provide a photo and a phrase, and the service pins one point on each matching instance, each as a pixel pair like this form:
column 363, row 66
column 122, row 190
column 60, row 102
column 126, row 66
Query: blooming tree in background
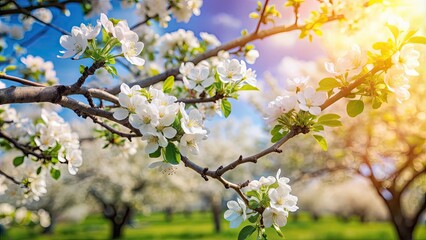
column 177, row 81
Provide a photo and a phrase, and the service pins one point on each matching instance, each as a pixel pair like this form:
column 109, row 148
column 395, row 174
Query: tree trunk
column 117, row 230
column 217, row 213
column 400, row 222
column 404, row 232
column 168, row 214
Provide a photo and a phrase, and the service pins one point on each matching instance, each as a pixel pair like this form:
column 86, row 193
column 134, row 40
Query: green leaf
column 38, row 170
column 226, row 107
column 168, row 84
column 155, row 154
column 248, row 87
column 246, row 232
column 394, row 30
column 328, row 117
column 9, row 68
column 172, row 154
column 331, row 120
column 18, row 161
column 354, row 108
column 82, row 67
column 55, row 173
column 321, row 141
column 276, row 129
column 417, row 39
column 253, row 218
column 111, row 70
column 328, row 84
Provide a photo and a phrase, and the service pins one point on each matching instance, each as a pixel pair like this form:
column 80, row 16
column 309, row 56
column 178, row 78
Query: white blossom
column 274, row 216
column 210, row 39
column 188, row 144
column 75, row 44
column 311, row 101
column 352, row 63
column 198, row 78
column 407, row 59
column 231, row 70
column 297, row 84
column 281, row 105
column 43, row 14
column 397, row 82
column 251, row 56
column 131, row 51
column 89, row 31
column 236, row 213
column 192, row 123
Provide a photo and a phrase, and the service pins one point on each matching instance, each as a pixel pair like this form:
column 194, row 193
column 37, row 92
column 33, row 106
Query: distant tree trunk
column 117, row 230
column 400, row 222
column 217, row 213
column 168, row 214
column 315, row 217
column 187, row 213
column 118, row 220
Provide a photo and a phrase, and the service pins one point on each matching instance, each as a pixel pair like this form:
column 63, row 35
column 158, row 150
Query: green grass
column 199, row 226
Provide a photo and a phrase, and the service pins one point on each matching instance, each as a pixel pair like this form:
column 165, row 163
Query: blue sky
column 224, row 18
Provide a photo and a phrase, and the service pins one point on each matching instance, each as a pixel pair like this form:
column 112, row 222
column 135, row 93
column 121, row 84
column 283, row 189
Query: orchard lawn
column 199, row 226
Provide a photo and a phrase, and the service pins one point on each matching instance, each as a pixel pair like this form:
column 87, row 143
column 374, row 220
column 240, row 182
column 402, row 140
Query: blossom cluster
column 201, row 76
column 160, row 119
column 22, row 216
column 77, row 43
column 44, row 14
column 14, row 31
column 404, row 63
column 182, row 10
column 36, row 67
column 300, row 96
column 269, row 193
column 50, row 137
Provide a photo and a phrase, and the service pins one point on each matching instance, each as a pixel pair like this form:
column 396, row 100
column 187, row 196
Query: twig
column 262, row 15
column 211, row 53
column 28, row 13
column 10, row 177
column 113, row 130
column 201, row 100
column 59, row 5
column 21, row 80
column 17, row 145
column 88, row 71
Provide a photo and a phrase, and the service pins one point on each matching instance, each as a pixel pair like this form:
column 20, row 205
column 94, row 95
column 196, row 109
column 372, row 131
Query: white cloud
column 292, row 67
column 226, row 20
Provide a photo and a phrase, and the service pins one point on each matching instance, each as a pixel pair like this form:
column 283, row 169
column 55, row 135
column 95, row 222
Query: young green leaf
column 155, row 154
column 418, row 39
column 328, row 84
column 18, row 161
column 246, row 232
column 172, row 154
column 331, row 120
column 321, row 141
column 168, row 84
column 354, row 108
column 82, row 67
column 55, row 173
column 226, row 107
column 248, row 87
